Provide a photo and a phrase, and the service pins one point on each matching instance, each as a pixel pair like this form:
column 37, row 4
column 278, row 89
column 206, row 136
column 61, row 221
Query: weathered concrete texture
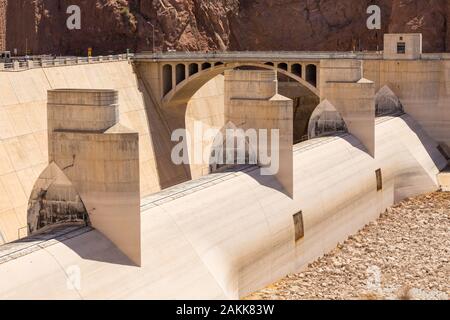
column 100, row 157
column 304, row 104
column 248, row 242
column 23, row 133
column 176, row 86
column 206, row 107
column 343, row 85
column 395, row 43
column 444, row 180
column 54, row 200
column 423, row 88
column 326, row 121
column 23, row 145
column 252, row 102
column 386, row 102
column 204, row 104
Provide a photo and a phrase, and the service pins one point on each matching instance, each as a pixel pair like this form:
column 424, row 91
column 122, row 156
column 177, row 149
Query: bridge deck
column 254, row 56
column 269, row 56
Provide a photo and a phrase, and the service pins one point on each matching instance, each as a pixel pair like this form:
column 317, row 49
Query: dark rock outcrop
column 112, row 26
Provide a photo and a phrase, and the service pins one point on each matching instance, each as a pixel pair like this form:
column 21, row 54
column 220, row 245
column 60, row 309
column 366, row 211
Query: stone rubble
column 404, row 255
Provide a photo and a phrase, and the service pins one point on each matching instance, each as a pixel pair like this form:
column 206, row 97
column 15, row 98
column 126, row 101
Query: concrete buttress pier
column 252, row 102
column 100, row 158
column 343, row 85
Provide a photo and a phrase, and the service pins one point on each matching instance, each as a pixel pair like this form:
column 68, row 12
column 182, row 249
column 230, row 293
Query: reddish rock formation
column 111, row 26
column 430, row 17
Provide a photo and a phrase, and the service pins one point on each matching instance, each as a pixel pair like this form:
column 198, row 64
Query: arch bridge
column 177, row 76
column 173, row 79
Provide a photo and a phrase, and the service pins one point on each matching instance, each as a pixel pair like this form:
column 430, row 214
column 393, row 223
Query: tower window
column 401, row 48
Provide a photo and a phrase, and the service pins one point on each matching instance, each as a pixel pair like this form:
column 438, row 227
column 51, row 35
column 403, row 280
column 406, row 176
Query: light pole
column 153, row 38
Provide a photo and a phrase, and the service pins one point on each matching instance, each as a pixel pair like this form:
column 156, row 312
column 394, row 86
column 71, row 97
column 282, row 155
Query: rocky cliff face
column 110, row 26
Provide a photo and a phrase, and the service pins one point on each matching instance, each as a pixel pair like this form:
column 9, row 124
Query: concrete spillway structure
column 220, row 235
column 229, row 234
column 24, row 137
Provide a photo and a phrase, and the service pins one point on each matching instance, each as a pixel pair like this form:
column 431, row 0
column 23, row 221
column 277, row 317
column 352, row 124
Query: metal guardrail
column 270, row 56
column 255, row 55
column 20, row 65
column 201, row 56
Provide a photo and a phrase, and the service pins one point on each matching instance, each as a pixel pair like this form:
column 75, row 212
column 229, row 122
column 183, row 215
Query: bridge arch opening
column 311, row 74
column 303, row 93
column 218, row 64
column 283, row 66
column 269, row 64
column 176, row 103
column 180, row 73
column 193, row 69
column 206, row 66
column 297, row 69
column 167, row 78
column 186, row 90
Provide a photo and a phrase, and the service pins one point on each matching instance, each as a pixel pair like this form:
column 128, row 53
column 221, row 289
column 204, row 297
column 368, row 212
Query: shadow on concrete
column 254, row 171
column 269, row 182
column 161, row 125
column 95, row 246
column 86, row 242
column 431, row 146
column 354, row 142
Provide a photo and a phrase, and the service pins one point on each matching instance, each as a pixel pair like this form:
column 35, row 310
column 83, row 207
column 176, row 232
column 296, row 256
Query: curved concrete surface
column 228, row 234
column 23, row 130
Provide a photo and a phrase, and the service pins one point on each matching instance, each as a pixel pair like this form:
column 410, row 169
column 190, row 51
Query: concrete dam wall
column 228, row 234
column 23, row 130
column 206, row 235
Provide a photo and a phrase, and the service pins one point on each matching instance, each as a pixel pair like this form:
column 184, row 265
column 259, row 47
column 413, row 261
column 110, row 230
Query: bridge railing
column 436, row 56
column 255, row 55
column 20, row 65
column 270, row 56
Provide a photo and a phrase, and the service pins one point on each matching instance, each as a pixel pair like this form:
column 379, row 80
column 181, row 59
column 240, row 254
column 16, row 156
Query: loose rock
column 404, row 255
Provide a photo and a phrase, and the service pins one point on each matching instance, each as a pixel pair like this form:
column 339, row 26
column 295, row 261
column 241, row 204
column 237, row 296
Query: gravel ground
column 403, row 255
